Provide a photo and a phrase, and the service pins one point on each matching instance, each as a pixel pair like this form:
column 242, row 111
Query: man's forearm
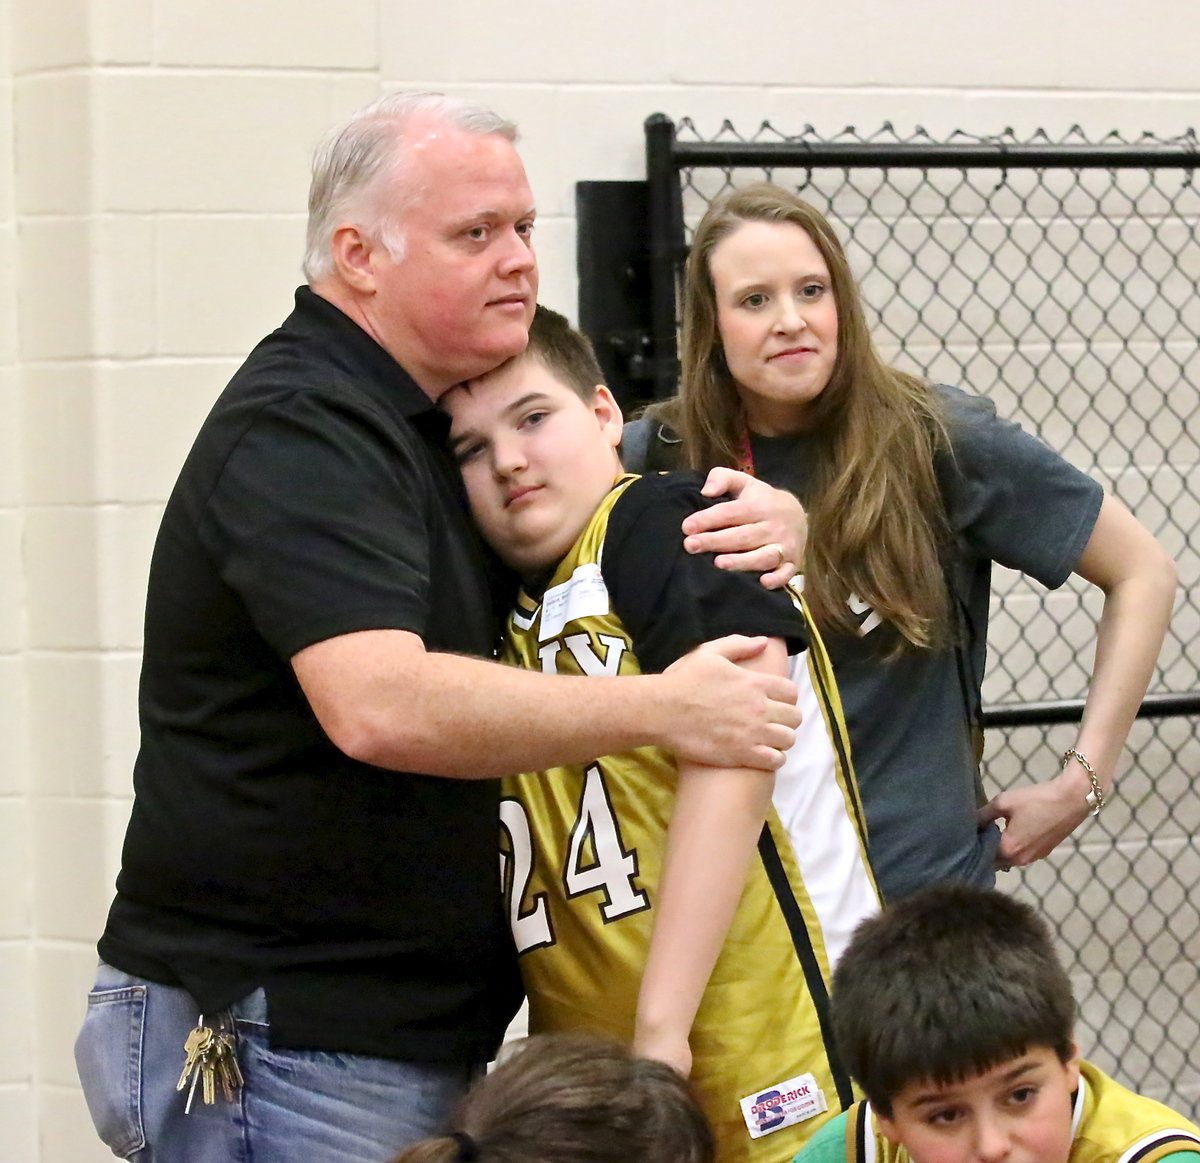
column 469, row 718
column 384, row 700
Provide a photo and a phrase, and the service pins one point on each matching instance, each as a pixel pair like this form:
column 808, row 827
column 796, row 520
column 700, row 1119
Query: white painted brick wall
column 58, row 451
column 11, row 595
column 53, row 156
column 150, row 226
column 123, row 34
column 14, row 866
column 251, row 262
column 16, row 869
column 52, row 34
column 255, row 35
column 147, row 413
column 54, row 291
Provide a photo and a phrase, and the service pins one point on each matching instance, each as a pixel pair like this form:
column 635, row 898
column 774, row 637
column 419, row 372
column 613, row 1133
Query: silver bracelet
column 1095, row 798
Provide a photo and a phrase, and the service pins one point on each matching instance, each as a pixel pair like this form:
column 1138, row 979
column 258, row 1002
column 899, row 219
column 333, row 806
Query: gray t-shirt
column 1009, row 499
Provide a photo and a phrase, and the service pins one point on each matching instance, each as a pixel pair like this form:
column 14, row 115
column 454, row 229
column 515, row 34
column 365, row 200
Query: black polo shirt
column 316, row 501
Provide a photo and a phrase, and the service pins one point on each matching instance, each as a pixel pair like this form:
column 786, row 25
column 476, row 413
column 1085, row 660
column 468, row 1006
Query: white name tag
column 583, row 595
column 783, row 1105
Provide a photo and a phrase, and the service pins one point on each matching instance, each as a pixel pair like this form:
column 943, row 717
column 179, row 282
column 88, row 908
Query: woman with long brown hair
column 912, row 491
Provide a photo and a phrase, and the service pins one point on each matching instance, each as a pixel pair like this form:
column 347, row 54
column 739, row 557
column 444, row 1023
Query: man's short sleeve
column 318, row 521
column 671, row 601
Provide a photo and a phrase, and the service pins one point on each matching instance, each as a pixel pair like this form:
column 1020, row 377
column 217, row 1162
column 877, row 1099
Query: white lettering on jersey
column 608, row 868
column 530, row 926
column 547, row 654
column 858, row 606
column 597, row 862
column 580, row 646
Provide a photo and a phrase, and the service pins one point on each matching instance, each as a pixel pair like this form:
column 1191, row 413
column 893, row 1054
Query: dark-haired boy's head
column 566, row 353
column 945, row 985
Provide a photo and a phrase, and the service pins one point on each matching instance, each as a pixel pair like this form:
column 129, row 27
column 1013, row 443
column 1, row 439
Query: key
column 208, row 1074
column 194, row 1045
column 236, row 1077
column 187, row 1106
column 224, row 1080
column 229, row 1073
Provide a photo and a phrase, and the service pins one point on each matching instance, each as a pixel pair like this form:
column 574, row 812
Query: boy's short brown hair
column 944, row 985
column 566, row 353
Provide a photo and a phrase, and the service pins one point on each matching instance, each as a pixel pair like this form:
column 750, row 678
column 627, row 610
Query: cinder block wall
column 153, row 165
column 16, row 980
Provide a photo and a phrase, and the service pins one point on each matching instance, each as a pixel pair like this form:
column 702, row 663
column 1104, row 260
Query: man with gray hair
column 306, row 947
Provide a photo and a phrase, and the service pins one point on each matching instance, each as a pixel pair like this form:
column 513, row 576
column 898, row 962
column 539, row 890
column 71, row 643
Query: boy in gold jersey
column 708, row 943
column 955, row 1016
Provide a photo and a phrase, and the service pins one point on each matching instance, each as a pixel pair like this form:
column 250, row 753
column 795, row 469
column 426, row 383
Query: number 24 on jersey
column 596, row 862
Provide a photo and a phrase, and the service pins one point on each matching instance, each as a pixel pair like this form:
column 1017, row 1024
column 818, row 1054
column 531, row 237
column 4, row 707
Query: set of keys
column 211, row 1061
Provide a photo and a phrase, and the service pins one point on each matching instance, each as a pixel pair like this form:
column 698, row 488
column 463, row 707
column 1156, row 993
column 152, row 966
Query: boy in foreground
column 692, row 941
column 956, row 1018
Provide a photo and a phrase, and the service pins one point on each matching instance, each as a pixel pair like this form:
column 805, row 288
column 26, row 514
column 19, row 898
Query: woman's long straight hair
column 876, row 518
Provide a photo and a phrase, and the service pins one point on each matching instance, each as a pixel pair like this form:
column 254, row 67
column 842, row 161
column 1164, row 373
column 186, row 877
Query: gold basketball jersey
column 582, row 850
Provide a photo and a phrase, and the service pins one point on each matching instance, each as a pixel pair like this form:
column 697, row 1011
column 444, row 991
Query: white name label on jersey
column 583, row 595
column 783, row 1105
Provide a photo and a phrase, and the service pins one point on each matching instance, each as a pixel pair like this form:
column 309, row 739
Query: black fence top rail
column 973, row 155
column 769, row 148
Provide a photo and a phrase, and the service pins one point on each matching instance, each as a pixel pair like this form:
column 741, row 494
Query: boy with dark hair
column 954, row 1015
column 692, row 941
column 566, row 353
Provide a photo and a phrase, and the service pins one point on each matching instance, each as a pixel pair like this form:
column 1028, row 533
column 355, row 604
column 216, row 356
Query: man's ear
column 608, row 414
column 353, row 258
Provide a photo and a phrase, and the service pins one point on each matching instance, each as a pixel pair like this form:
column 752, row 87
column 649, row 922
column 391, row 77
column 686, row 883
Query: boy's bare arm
column 382, row 698
column 719, row 815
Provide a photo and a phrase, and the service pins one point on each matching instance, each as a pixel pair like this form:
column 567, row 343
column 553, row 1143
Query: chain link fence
column 1061, row 279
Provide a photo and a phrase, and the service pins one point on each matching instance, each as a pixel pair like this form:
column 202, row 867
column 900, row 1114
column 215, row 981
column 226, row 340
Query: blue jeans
column 295, row 1104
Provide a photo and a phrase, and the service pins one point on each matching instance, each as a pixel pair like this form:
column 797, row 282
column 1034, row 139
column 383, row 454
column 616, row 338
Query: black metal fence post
column 666, row 246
